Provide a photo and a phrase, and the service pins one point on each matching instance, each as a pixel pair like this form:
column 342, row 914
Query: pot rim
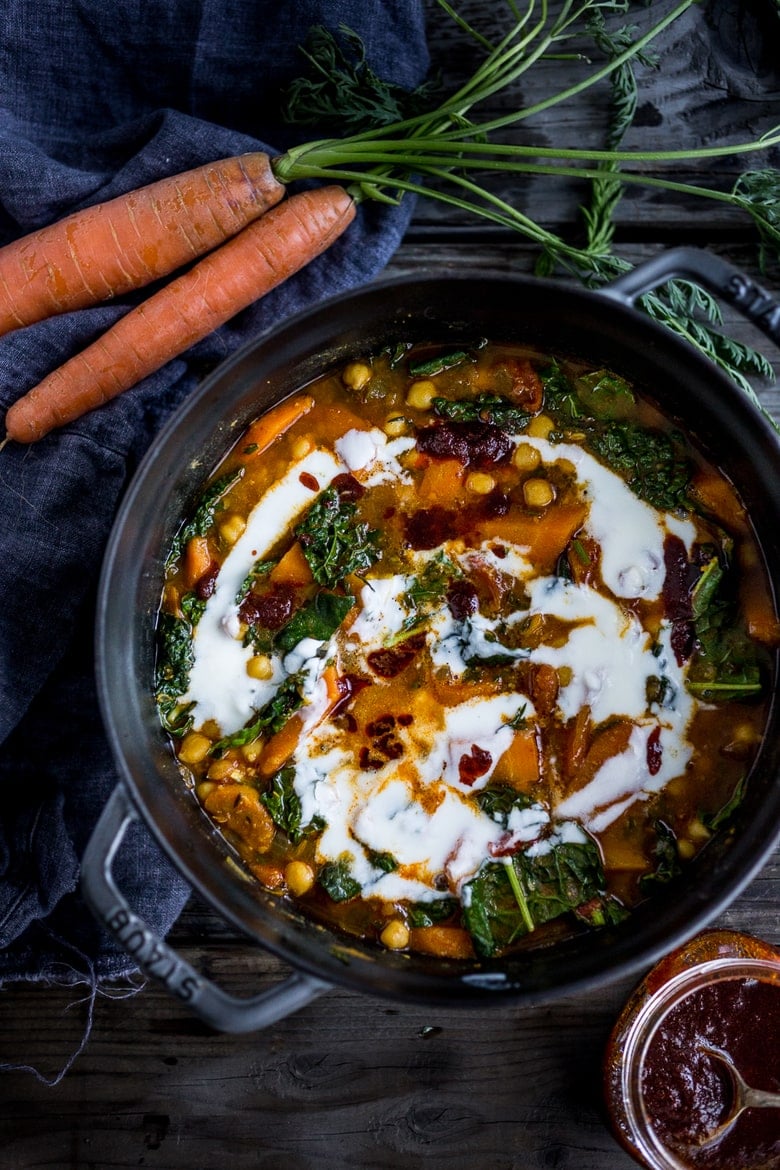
column 353, row 967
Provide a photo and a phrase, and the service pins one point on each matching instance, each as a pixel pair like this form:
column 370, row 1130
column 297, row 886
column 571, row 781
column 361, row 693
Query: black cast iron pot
column 602, row 328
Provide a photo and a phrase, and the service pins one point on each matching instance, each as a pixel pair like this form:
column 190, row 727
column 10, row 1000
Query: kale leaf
column 651, row 462
column 604, row 395
column 723, row 815
column 334, row 543
column 560, row 397
column 337, row 881
column 271, row 717
column 506, row 901
column 428, row 367
column 382, row 861
column 203, row 516
column 175, row 656
column 667, row 863
column 497, row 801
column 430, row 913
column 485, row 408
column 284, row 805
column 318, row 619
column 726, row 662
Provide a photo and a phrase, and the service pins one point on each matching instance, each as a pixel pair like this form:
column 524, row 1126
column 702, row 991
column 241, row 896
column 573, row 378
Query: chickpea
column 395, row 935
column 356, row 375
column 260, row 667
column 395, row 425
column 224, row 770
column 299, row 877
column 540, row 426
column 697, row 830
column 194, row 748
column 480, row 483
column 538, row 493
column 252, row 752
column 231, row 528
column 421, row 394
column 301, row 446
column 686, row 849
column 526, row 458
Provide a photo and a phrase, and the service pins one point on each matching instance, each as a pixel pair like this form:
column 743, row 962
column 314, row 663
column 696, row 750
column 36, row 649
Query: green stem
column 605, row 70
column 404, row 152
column 520, row 897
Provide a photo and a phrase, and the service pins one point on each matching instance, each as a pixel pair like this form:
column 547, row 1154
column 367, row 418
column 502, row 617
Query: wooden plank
column 702, row 92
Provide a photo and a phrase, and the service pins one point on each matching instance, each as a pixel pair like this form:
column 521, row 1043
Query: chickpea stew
column 464, row 651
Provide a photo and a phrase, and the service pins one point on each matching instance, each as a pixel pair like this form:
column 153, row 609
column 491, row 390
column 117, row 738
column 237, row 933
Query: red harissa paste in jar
column 665, row 1093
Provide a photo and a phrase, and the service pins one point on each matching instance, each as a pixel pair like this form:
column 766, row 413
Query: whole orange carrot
column 126, row 243
column 239, row 272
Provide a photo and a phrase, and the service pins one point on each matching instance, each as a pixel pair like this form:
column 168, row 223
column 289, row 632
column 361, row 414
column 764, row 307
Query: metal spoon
column 745, row 1097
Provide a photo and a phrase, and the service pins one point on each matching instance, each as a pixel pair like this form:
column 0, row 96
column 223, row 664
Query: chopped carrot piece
column 333, row 686
column 579, row 732
column 609, row 741
column 280, row 746
column 197, row 559
column 270, row 426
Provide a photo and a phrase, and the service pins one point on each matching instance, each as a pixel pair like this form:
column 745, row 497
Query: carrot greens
column 445, row 152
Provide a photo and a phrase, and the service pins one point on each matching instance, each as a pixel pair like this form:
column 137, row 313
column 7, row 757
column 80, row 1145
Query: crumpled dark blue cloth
column 96, row 99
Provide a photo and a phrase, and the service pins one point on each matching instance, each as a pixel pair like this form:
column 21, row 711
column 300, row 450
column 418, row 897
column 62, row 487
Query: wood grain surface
column 351, row 1080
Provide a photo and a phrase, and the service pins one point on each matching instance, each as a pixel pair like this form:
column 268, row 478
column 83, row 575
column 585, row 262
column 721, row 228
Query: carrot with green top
column 120, row 246
column 232, row 277
column 126, row 243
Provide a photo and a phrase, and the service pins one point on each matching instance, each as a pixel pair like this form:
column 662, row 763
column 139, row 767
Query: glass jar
column 666, row 1092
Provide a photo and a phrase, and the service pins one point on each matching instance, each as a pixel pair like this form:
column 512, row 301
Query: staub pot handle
column 716, row 274
column 224, row 1012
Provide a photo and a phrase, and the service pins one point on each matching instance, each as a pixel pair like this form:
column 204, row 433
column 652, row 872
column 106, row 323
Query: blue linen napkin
column 97, row 99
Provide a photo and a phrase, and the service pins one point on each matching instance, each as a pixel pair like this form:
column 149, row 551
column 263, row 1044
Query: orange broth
column 497, row 660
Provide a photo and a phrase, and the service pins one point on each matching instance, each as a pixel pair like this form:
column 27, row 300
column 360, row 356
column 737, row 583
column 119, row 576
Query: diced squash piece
column 238, row 808
column 447, row 942
column 441, row 482
column 760, row 618
column 519, row 765
column 622, row 849
column 607, row 742
column 716, row 495
column 292, row 569
column 545, row 535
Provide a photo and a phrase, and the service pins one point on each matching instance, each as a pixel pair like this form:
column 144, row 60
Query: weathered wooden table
column 353, row 1081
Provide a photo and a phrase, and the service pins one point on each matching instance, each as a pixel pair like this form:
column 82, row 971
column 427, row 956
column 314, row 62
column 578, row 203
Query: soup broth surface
column 465, row 650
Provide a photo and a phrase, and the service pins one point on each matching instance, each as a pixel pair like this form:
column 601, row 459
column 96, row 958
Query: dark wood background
column 353, row 1081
